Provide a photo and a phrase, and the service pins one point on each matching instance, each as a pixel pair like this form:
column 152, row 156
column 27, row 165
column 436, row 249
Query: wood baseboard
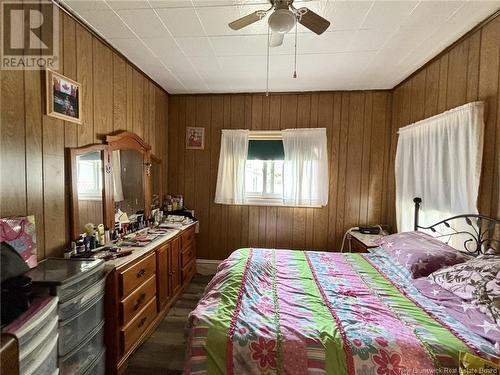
column 207, row 266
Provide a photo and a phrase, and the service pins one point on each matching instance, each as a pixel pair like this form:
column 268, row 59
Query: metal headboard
column 479, row 232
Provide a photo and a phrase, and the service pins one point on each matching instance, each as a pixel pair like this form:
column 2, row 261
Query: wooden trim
column 476, row 28
column 127, row 140
column 103, row 41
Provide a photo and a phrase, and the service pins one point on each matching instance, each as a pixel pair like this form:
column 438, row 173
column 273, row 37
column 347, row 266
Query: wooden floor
column 164, row 352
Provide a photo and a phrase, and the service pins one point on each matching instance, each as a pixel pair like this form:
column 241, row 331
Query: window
column 89, row 182
column 264, row 168
column 287, row 167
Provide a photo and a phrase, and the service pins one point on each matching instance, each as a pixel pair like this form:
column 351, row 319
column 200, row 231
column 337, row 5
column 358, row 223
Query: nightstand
column 361, row 243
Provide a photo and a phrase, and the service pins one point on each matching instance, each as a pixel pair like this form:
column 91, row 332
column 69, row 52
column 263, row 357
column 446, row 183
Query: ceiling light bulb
column 281, row 21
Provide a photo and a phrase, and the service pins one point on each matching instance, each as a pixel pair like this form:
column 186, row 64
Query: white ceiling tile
column 128, row 4
column 206, row 66
column 215, row 19
column 346, row 15
column 144, row 22
column 165, row 47
column 159, row 4
column 239, row 45
column 182, row 21
column 387, row 14
column 134, row 49
column 107, row 23
column 432, row 13
column 370, row 40
column 409, row 37
column 474, row 12
column 81, row 5
column 196, row 46
column 213, row 3
column 328, row 42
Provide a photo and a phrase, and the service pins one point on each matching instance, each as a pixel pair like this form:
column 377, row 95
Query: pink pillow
column 420, row 253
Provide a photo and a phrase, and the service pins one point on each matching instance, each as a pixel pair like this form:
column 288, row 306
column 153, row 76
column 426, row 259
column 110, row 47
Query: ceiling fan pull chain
column 267, row 63
column 295, row 57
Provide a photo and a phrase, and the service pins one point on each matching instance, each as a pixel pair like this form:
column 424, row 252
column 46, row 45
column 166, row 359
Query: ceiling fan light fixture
column 282, row 21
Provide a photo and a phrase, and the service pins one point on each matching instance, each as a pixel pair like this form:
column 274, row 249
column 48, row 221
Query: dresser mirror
column 110, row 178
column 128, row 183
column 130, row 177
column 89, row 169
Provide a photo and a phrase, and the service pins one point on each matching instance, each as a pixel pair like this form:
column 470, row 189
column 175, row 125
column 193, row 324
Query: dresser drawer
column 187, row 255
column 135, row 275
column 187, row 237
column 136, row 327
column 188, row 271
column 134, row 303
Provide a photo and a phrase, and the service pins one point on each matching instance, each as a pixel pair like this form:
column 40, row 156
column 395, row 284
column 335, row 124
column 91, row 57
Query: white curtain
column 305, row 172
column 117, row 176
column 439, row 160
column 232, row 162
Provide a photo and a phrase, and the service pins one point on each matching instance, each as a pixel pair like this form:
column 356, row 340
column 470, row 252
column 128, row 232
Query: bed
column 295, row 312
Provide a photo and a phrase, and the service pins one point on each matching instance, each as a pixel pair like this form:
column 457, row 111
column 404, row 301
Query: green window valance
column 265, row 149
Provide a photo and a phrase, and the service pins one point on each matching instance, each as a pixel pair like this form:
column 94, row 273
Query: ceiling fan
column 283, row 18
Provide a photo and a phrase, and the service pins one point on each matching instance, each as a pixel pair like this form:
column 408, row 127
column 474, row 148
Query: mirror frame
column 131, row 141
column 73, row 153
column 122, row 140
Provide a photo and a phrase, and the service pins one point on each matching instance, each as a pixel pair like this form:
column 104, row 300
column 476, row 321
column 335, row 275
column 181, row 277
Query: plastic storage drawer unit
column 37, row 346
column 66, row 277
column 82, row 357
column 47, row 361
column 80, row 302
column 99, row 365
column 31, row 323
column 73, row 331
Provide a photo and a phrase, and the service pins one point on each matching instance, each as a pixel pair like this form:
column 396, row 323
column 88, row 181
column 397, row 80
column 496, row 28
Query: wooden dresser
column 141, row 290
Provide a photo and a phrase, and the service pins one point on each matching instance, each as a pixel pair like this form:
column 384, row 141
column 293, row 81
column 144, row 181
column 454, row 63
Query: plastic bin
column 74, row 330
column 99, row 365
column 66, row 277
column 37, row 346
column 76, row 304
column 82, row 358
column 30, row 323
column 47, row 361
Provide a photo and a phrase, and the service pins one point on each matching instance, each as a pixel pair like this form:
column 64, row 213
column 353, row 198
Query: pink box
column 20, row 233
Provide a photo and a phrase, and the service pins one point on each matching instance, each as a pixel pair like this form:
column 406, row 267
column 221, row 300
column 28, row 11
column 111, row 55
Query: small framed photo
column 64, row 99
column 195, row 138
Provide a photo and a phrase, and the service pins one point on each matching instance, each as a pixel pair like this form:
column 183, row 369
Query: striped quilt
column 294, row 312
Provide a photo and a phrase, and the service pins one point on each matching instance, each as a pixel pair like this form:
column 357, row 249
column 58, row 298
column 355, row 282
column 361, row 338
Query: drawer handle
column 139, row 301
column 141, row 323
column 141, row 273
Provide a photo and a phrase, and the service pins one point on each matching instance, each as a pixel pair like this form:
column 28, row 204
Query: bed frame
column 480, row 232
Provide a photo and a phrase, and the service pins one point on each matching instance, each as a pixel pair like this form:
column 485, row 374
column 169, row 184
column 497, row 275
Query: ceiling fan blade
column 276, row 39
column 247, row 20
column 312, row 21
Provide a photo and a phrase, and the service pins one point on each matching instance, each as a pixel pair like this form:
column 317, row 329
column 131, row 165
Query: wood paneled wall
column 116, row 96
column 358, row 125
column 466, row 73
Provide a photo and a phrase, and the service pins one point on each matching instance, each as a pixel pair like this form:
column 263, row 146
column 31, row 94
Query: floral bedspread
column 294, row 312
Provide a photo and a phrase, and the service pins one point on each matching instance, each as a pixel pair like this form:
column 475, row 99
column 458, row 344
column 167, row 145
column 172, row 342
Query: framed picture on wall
column 195, row 138
column 64, row 99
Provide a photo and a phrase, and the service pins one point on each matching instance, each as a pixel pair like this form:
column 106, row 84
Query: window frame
column 263, row 199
